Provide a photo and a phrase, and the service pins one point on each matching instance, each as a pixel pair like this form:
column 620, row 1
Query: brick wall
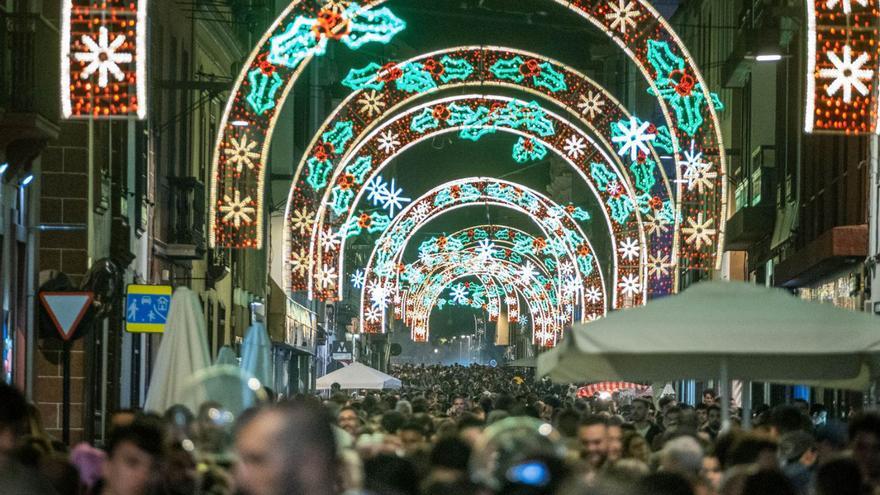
column 64, row 200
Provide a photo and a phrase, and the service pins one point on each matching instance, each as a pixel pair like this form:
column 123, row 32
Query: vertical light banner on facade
column 103, row 59
column 842, row 66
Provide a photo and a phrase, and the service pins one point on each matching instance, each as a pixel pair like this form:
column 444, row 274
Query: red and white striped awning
column 609, row 387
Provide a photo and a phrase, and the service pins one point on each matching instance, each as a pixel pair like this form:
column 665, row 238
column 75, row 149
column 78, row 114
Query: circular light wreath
column 303, row 30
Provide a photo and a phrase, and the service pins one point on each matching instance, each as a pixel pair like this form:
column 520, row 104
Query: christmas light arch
column 561, row 233
column 380, row 91
column 303, row 30
column 622, row 207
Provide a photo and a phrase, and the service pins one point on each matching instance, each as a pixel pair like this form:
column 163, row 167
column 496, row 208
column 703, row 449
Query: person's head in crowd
column 839, row 476
column 767, row 482
column 671, row 417
column 752, row 448
column 180, row 420
column 449, row 460
column 593, row 438
column 496, row 415
column 349, row 420
column 614, row 440
column 390, row 474
column 682, row 455
column 797, row 447
column 469, row 428
column 710, row 396
column 802, row 405
column 392, row 421
column 713, row 417
column 831, row 439
column 459, row 405
column 567, row 423
column 412, row 437
column 636, row 447
column 134, row 453
column 666, row 402
column 286, row 448
column 641, row 410
column 701, row 411
column 404, row 407
column 13, row 418
column 864, row 442
column 711, row 471
column 786, row 419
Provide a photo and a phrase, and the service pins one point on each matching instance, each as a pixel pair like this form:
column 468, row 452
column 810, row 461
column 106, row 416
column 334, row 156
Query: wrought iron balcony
column 186, row 233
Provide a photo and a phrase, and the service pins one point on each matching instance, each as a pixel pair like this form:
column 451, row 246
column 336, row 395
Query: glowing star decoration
column 237, row 210
column 300, row 262
column 103, row 59
column 241, row 153
column 330, row 239
column 846, row 5
column 376, row 190
column 629, row 249
column 379, row 295
column 358, row 278
column 655, row 224
column 593, row 295
column 574, row 147
column 371, row 103
column 630, row 285
column 699, row 232
column 697, row 173
column 486, row 249
column 303, row 220
column 389, row 141
column 847, row 74
column 590, row 104
column 633, row 137
column 622, row 15
column 527, row 272
column 327, row 277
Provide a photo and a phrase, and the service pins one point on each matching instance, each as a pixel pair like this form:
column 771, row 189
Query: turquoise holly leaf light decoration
column 585, row 264
column 340, row 199
column 339, row 136
column 365, row 78
column 359, row 168
column 424, row 121
column 602, row 176
column 378, row 222
column 319, row 172
column 264, row 88
column 508, row 69
column 665, row 140
column 550, row 78
column 579, row 213
column 372, row 25
column 527, row 149
column 455, row 69
column 415, row 79
column 296, row 43
column 643, row 172
column 678, row 87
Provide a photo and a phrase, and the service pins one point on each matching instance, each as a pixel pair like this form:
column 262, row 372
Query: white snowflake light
column 658, row 266
column 847, row 74
column 630, row 285
column 379, row 294
column 566, row 268
column 389, row 141
column 697, row 173
column 300, row 262
column 845, row 4
column 459, row 294
column 593, row 295
column 574, row 147
column 527, row 272
column 102, row 57
column 376, row 190
column 327, row 277
column 629, row 249
column 358, row 278
column 622, row 15
column 485, row 249
column 590, row 104
column 633, row 138
column 371, row 103
column 241, row 154
column 302, row 221
column 655, row 224
column 373, row 315
column 699, row 232
column 330, row 240
column 237, row 210
column 393, row 198
column 420, row 212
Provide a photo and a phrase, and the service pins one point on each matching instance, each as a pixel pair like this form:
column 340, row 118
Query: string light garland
column 103, row 59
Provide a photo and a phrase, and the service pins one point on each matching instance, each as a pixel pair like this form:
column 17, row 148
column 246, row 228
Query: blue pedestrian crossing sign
column 146, row 308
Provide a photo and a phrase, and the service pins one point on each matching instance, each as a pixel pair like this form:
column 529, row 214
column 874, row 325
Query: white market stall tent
column 358, row 376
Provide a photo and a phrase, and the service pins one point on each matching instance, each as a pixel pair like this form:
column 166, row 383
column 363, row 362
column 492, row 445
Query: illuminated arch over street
column 537, row 129
column 304, row 29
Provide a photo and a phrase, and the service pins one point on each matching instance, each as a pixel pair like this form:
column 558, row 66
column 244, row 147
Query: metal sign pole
column 65, row 392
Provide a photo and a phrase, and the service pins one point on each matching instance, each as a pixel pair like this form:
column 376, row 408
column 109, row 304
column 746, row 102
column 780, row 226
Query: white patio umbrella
column 182, row 352
column 729, row 330
column 358, row 376
column 256, row 354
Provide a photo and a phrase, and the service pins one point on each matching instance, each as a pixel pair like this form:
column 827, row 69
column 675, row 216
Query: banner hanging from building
column 842, row 67
column 103, row 59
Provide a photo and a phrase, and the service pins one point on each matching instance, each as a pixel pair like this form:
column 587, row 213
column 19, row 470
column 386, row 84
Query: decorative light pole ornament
column 103, row 59
column 843, row 59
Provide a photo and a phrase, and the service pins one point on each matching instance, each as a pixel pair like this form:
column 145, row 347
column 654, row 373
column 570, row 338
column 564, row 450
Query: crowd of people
column 449, row 430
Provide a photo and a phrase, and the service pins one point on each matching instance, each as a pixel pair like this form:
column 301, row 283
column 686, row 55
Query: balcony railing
column 187, row 229
column 28, row 73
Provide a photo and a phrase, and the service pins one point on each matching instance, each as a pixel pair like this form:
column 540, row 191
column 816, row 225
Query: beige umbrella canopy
column 723, row 329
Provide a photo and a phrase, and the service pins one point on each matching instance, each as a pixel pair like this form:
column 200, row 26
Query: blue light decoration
column 263, row 90
column 542, row 73
column 526, row 150
column 386, row 194
column 679, row 87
